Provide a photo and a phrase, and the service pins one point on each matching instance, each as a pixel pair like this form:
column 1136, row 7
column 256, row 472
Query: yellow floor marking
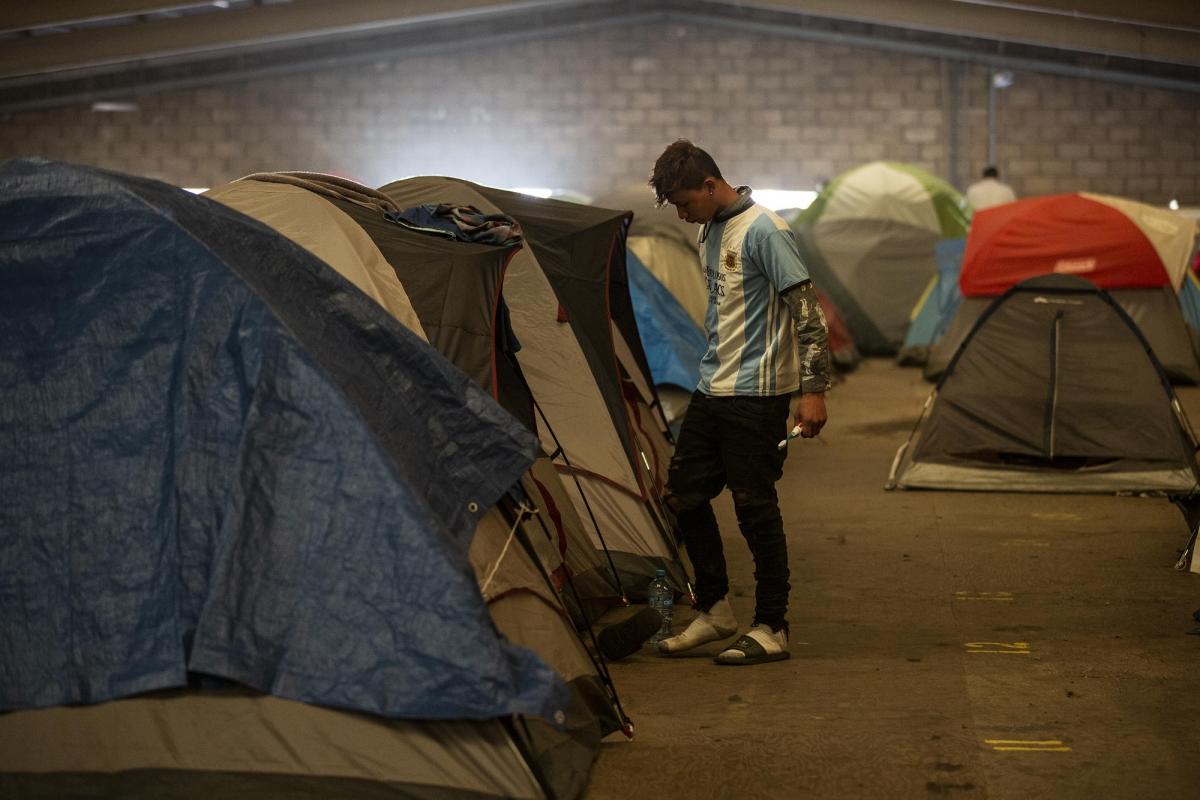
column 1033, row 749
column 983, row 596
column 1028, row 745
column 1007, row 648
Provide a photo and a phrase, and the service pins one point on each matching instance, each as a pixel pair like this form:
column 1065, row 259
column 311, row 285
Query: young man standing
column 767, row 363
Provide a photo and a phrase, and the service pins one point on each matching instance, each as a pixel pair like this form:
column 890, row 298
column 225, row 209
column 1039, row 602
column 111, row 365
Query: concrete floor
column 943, row 644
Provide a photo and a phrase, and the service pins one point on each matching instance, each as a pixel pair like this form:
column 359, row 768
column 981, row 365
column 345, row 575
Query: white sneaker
column 709, row 626
column 758, row 646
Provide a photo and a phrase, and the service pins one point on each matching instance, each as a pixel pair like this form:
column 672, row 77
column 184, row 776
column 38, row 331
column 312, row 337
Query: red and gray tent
column 1137, row 252
column 1055, row 389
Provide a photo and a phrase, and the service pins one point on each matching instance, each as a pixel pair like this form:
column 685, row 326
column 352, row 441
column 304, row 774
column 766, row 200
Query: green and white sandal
column 758, row 646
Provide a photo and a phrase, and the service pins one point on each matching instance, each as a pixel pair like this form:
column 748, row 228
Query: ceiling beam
column 1015, row 22
column 236, row 28
column 463, row 32
column 1161, row 13
column 30, row 16
column 1064, row 24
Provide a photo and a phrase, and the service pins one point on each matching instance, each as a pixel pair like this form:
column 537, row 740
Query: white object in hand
column 792, row 435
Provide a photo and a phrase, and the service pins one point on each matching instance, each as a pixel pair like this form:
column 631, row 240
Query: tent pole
column 1052, row 409
column 598, row 660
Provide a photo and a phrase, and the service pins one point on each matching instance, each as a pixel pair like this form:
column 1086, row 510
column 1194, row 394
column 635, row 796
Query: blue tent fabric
column 221, row 458
column 1189, row 301
column 674, row 344
column 940, row 304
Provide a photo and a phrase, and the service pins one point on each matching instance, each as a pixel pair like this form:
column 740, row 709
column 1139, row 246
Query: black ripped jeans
column 733, row 441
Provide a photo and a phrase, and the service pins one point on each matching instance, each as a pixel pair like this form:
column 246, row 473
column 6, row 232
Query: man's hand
column 808, row 412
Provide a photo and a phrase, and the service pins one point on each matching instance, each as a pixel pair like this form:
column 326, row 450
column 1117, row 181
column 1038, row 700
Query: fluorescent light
column 534, row 191
column 779, row 199
column 113, row 105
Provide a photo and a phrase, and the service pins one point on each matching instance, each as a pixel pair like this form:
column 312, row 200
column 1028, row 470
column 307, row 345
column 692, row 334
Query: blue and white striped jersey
column 748, row 261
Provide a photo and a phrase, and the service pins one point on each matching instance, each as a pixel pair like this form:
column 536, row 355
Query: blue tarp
column 1189, row 301
column 221, row 458
column 940, row 304
column 674, row 344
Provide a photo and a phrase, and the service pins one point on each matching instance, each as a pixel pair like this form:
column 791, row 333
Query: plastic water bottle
column 662, row 600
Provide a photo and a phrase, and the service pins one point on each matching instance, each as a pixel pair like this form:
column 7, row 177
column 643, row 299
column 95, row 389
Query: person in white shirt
column 989, row 190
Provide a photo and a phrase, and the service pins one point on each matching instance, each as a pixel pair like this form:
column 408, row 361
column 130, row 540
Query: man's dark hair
column 991, row 172
column 681, row 166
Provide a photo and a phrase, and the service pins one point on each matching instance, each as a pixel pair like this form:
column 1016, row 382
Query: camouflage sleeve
column 812, row 336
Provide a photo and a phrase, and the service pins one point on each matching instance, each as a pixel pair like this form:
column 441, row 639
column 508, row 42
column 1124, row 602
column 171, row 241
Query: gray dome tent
column 1155, row 311
column 1040, row 396
column 868, row 241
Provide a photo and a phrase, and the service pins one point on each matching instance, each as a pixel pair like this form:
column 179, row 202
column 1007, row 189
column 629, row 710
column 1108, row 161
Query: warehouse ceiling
column 89, row 50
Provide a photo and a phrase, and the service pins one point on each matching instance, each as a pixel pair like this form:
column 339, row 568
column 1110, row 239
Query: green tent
column 869, row 240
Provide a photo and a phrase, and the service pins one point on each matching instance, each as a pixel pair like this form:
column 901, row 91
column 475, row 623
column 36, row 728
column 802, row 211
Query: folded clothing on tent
column 465, row 223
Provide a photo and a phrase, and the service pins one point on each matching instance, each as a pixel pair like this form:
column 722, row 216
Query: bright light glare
column 779, row 199
column 1173, row 205
column 196, row 189
column 534, row 191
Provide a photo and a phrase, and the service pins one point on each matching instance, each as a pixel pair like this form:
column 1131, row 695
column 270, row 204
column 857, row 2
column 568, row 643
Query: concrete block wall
column 591, row 112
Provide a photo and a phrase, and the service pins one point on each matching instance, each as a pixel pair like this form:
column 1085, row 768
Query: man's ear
column 710, row 186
